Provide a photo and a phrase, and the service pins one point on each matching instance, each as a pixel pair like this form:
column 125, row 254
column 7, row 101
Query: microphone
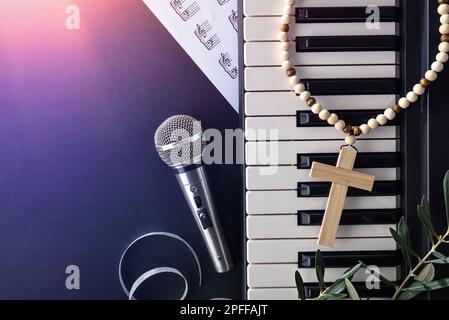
column 179, row 143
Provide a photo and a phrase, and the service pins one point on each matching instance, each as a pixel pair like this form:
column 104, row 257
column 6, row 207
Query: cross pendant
column 341, row 177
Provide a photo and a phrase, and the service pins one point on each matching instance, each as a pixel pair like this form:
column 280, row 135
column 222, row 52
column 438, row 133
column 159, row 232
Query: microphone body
column 195, row 187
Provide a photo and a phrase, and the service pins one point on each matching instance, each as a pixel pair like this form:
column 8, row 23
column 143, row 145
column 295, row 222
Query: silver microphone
column 179, row 143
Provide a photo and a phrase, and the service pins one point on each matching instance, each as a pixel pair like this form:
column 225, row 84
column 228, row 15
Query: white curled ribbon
column 150, row 273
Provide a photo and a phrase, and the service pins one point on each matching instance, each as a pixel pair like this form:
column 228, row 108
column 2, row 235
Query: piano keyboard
column 349, row 68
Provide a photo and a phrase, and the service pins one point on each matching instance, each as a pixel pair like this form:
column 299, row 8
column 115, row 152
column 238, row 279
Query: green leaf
column 339, row 285
column 427, row 274
column 338, row 296
column 402, row 243
column 439, row 255
column 424, row 217
column 405, row 234
column 433, row 285
column 446, row 195
column 300, row 286
column 319, row 270
column 351, row 290
column 408, row 295
column 442, row 259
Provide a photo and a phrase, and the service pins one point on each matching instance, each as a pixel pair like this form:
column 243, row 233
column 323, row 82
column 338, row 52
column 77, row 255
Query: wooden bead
column 444, row 28
column 284, row 55
column 340, row 125
column 310, row 102
column 285, row 46
column 316, row 108
column 283, row 36
column 437, row 66
column 443, row 47
column 424, row 82
column 373, row 124
column 390, row 114
column 291, row 72
column 444, row 19
column 286, row 65
column 285, row 27
column 357, row 131
column 442, row 1
column 382, row 119
column 332, row 120
column 365, row 128
column 350, row 140
column 412, row 97
column 304, row 96
column 419, row 89
column 443, row 9
column 288, row 10
column 293, row 80
column 431, row 75
column 442, row 57
column 286, row 19
column 348, row 128
column 404, row 103
column 397, row 108
column 444, row 38
column 299, row 88
column 324, row 114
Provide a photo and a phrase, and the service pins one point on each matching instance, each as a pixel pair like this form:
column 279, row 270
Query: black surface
column 347, row 43
column 323, row 87
column 364, row 159
column 343, row 14
column 344, row 259
column 352, row 217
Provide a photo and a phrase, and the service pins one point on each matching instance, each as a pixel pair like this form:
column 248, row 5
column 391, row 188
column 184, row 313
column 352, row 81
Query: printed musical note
column 226, row 62
column 206, row 35
column 234, row 19
column 183, row 9
column 222, row 2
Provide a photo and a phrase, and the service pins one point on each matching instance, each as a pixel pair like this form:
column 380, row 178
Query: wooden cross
column 341, row 177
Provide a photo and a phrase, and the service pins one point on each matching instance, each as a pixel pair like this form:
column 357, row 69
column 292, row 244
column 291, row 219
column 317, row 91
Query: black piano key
column 351, row 217
column 321, row 189
column 309, row 119
column 344, row 259
column 344, row 14
column 364, row 160
column 312, row 290
column 348, row 43
column 322, row 87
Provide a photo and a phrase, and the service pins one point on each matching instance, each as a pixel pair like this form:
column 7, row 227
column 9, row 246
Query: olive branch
column 420, row 271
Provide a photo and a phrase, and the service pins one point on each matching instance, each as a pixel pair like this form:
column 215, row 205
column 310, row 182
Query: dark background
column 79, row 175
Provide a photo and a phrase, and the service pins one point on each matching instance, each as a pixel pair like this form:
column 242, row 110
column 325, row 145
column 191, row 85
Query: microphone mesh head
column 178, row 141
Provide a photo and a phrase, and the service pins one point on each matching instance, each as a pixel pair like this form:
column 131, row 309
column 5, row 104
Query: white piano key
column 267, row 29
column 286, row 251
column 267, row 54
column 286, row 227
column 282, row 275
column 285, row 152
column 288, row 202
column 287, row 103
column 274, row 78
column 274, row 7
column 284, row 294
column 287, row 177
column 256, row 128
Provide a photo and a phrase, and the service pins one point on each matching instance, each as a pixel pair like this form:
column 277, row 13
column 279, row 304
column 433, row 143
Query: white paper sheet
column 207, row 31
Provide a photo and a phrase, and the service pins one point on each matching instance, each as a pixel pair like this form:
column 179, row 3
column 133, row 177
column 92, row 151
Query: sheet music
column 207, row 31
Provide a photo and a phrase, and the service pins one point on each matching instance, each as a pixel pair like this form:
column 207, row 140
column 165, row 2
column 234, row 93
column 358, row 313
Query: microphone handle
column 195, row 187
